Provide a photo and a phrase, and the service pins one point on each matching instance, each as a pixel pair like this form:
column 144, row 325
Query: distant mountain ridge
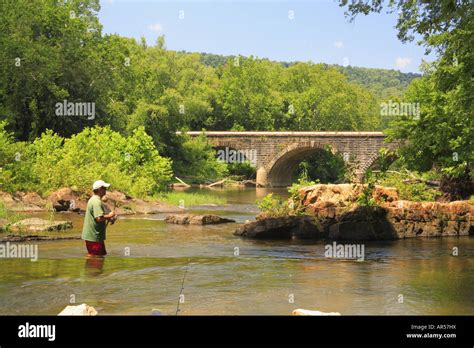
column 384, row 83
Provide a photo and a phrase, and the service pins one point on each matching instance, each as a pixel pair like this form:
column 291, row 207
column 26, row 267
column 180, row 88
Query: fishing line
column 182, row 287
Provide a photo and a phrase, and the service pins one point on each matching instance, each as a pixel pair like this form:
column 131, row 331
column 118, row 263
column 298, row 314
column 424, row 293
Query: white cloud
column 338, row 44
column 402, row 62
column 155, row 27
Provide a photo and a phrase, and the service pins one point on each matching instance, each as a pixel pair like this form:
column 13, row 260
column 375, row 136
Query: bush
column 198, row 161
column 274, row 206
column 417, row 192
column 242, row 169
column 131, row 164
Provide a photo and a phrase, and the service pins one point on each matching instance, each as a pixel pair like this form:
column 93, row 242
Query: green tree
column 320, row 98
column 198, row 161
column 442, row 138
column 248, row 94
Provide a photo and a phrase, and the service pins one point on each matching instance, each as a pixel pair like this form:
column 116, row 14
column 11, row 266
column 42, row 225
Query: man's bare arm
column 105, row 217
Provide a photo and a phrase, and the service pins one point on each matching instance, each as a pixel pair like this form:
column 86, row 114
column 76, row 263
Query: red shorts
column 96, row 248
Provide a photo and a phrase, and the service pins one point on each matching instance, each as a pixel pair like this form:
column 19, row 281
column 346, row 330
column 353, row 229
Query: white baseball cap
column 98, row 184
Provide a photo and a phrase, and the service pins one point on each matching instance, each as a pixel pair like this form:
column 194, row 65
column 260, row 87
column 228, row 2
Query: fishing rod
column 182, row 287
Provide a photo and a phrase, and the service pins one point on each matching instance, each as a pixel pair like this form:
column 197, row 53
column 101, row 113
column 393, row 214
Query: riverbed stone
column 39, row 225
column 82, row 309
column 190, row 219
column 22, row 202
column 32, row 199
column 66, row 199
column 300, row 311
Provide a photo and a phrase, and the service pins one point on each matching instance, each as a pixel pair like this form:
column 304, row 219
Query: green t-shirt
column 92, row 230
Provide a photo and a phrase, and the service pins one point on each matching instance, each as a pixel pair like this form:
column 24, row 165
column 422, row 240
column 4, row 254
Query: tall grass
column 188, row 199
column 8, row 215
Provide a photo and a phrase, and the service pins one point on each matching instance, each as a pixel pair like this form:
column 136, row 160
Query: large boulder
column 322, row 196
column 338, row 195
column 288, row 227
column 22, row 202
column 362, row 223
column 32, row 199
column 190, row 219
column 340, row 217
column 430, row 219
column 66, row 199
column 8, row 199
column 39, row 225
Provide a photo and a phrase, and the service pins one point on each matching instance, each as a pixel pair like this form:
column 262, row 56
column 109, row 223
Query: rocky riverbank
column 332, row 212
column 68, row 199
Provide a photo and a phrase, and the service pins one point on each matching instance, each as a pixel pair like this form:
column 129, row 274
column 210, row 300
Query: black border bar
column 241, row 330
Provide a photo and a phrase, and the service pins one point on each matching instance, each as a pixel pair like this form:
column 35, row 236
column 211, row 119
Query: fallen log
column 182, row 182
column 220, row 182
column 248, row 182
column 19, row 238
column 434, row 183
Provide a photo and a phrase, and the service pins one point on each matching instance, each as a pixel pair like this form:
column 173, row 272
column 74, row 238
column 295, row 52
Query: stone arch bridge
column 277, row 154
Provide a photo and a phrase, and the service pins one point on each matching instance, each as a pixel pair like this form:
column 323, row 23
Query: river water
column 228, row 275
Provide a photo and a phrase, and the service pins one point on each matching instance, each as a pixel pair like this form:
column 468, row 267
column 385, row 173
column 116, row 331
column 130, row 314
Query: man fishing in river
column 96, row 220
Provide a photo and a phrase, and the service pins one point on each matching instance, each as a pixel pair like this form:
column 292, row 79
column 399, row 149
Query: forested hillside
column 383, row 83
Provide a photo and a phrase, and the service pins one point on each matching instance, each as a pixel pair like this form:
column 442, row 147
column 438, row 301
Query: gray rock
column 288, row 227
column 190, row 219
column 39, row 225
column 362, row 230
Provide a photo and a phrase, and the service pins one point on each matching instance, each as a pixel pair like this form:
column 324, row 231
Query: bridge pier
column 358, row 177
column 262, row 180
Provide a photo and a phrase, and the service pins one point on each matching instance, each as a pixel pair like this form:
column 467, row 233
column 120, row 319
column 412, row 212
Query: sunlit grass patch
column 188, row 199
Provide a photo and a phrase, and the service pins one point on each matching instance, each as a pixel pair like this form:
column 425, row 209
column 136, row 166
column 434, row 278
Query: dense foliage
column 54, row 52
column 323, row 166
column 131, row 164
column 383, row 83
column 441, row 138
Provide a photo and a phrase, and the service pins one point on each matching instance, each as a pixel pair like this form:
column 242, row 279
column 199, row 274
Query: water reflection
column 94, row 265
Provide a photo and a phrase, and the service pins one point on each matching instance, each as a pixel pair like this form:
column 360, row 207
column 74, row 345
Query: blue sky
column 280, row 30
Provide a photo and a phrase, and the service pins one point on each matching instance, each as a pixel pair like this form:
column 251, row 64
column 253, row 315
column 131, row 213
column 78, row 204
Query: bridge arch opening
column 313, row 162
